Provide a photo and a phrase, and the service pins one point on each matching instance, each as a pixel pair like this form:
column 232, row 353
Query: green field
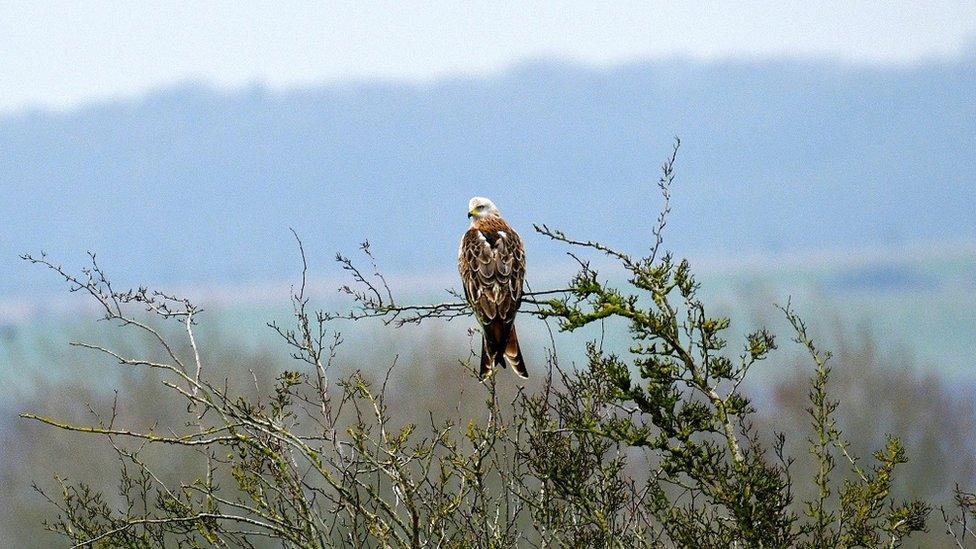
column 920, row 305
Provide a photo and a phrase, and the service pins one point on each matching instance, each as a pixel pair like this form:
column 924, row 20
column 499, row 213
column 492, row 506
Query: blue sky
column 59, row 54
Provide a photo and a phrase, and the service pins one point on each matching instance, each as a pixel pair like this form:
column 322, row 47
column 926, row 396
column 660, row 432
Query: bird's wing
column 492, row 266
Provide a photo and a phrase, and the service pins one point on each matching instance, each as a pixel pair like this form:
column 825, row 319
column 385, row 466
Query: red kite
column 491, row 260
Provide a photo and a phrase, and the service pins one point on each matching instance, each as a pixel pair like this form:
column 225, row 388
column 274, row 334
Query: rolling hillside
column 197, row 186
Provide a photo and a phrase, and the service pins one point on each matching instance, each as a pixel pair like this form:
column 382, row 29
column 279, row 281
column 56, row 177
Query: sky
column 59, row 55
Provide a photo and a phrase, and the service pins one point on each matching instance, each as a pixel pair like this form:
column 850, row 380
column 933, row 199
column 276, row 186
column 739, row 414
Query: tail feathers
column 501, row 355
column 487, row 358
column 513, row 355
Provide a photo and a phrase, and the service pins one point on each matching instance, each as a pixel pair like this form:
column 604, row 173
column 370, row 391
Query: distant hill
column 197, row 186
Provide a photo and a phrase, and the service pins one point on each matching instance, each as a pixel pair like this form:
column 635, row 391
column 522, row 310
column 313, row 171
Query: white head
column 480, row 208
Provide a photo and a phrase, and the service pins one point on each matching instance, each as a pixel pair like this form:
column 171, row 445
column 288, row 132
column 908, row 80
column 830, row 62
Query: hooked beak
column 471, row 214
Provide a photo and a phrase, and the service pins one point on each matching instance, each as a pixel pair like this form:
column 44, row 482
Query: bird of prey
column 491, row 260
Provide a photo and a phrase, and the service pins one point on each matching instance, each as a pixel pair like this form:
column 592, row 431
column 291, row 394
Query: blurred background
column 828, row 156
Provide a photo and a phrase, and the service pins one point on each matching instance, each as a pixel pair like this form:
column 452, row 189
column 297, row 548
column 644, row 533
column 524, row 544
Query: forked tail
column 501, row 354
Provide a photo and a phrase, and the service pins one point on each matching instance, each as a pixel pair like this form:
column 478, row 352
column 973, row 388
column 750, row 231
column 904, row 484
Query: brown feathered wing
column 492, row 265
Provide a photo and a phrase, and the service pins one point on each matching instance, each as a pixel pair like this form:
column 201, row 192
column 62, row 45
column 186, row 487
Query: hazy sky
column 60, row 54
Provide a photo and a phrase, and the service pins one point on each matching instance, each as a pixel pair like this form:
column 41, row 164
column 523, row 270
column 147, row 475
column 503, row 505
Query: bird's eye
column 481, row 207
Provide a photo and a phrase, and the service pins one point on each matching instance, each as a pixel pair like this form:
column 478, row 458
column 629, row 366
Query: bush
column 654, row 447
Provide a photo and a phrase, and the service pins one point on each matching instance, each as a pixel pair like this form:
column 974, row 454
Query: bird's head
column 480, row 208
